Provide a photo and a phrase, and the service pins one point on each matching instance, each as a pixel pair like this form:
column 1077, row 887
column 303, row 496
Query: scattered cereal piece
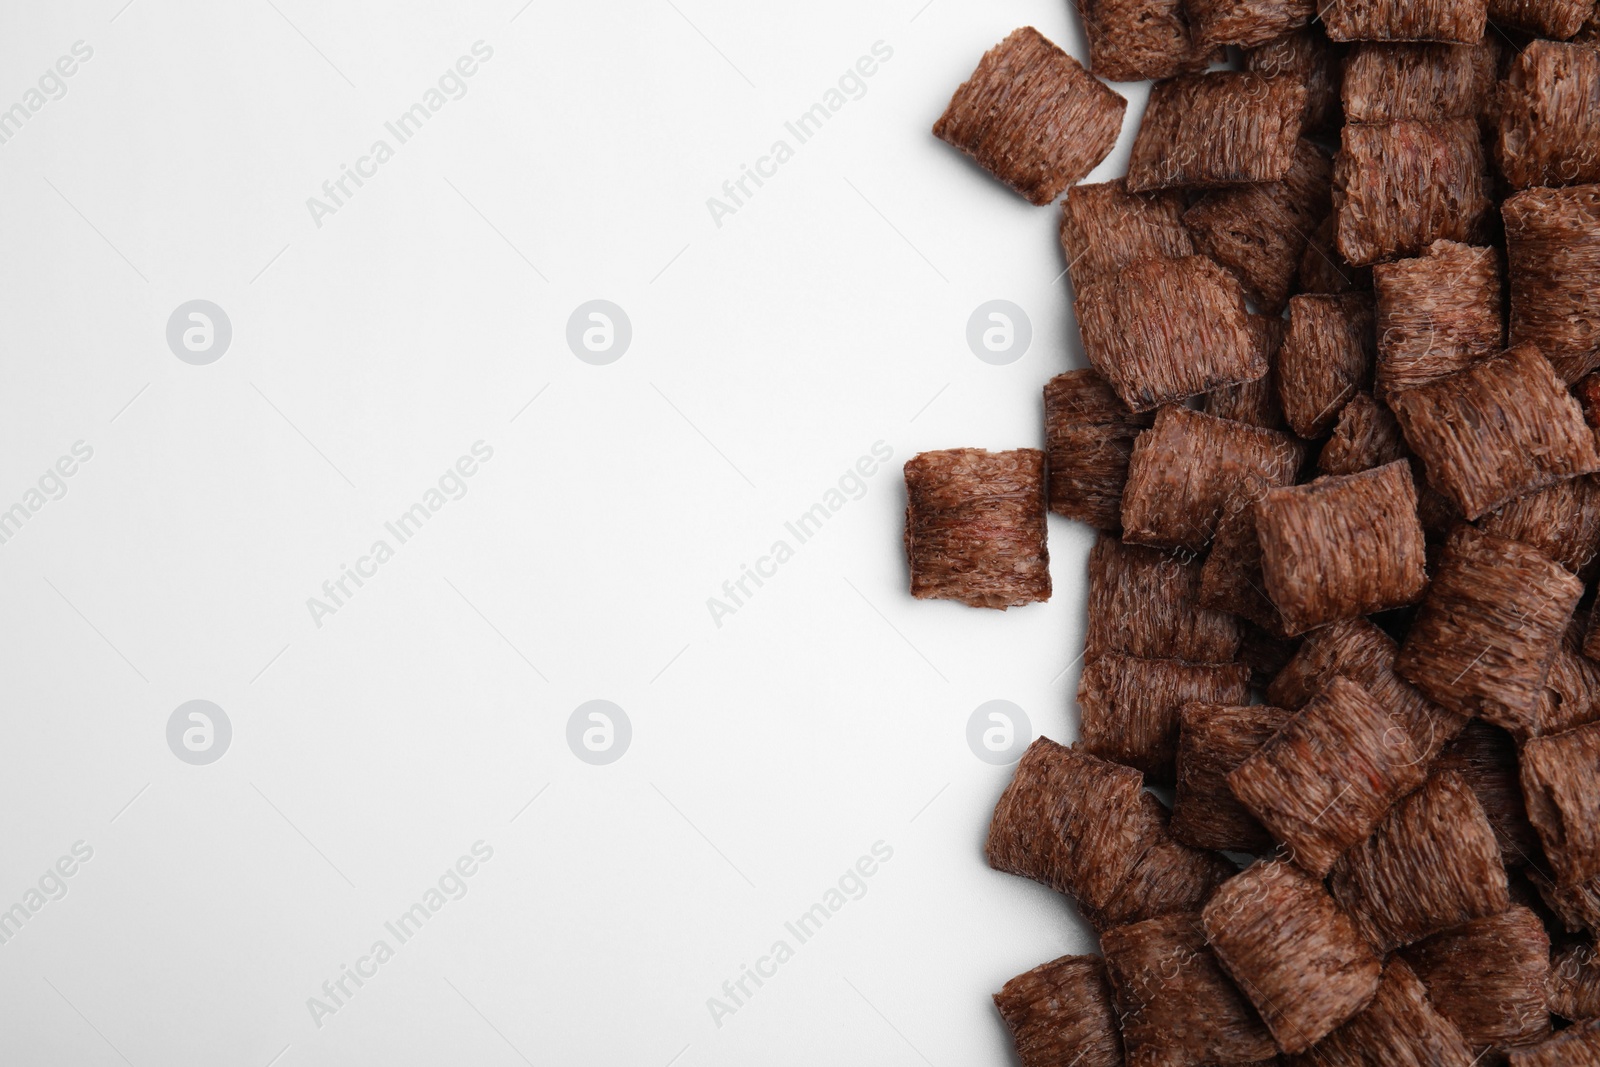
column 1461, row 21
column 1432, row 864
column 1366, row 436
column 1294, row 954
column 1033, row 117
column 1341, row 546
column 1166, row 329
column 975, row 527
column 1210, row 130
column 1322, row 783
column 1493, row 618
column 1131, row 40
column 1438, row 313
column 1399, row 186
column 1550, row 116
column 1502, row 427
column 1061, row 1012
column 1561, row 783
column 1428, row 82
column 1187, row 471
column 1489, row 977
column 1553, row 246
column 1071, row 821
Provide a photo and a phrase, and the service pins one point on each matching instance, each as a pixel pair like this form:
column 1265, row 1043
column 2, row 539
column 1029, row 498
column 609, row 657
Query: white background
column 768, row 354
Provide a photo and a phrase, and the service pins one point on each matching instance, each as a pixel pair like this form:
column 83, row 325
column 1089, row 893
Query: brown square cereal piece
column 1341, row 546
column 1130, row 706
column 1360, row 651
column 1560, row 520
column 1259, row 231
column 1254, row 402
column 1437, row 313
column 1501, row 428
column 1400, row 1026
column 1399, row 186
column 1575, row 981
column 1556, row 19
column 1432, row 863
column 1550, row 116
column 1175, row 1002
column 1089, row 435
column 1561, row 783
column 1493, row 617
column 1073, row 822
column 1214, row 739
column 975, row 527
column 1326, row 358
column 1169, row 877
column 1307, row 56
column 1293, row 953
column 1166, row 329
column 1033, row 117
column 1577, row 1046
column 1246, row 23
column 1324, row 270
column 1428, row 82
column 1322, row 782
column 1061, row 1012
column 1553, row 246
column 1489, row 978
column 1459, row 21
column 1485, row 757
column 1365, row 436
column 1231, row 578
column 1210, row 130
column 1187, row 470
column 1105, row 228
column 1131, row 40
column 1145, row 602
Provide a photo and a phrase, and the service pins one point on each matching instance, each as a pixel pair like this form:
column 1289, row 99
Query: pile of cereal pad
column 1342, row 319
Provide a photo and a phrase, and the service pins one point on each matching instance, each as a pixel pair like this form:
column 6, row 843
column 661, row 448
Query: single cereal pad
column 975, row 527
column 1502, row 427
column 1561, row 784
column 1210, row 130
column 1323, row 782
column 1550, row 116
column 1145, row 602
column 1438, row 313
column 1341, row 546
column 1105, row 228
column 1166, row 329
column 1400, row 186
column 1326, row 358
column 1293, row 953
column 1033, row 117
column 1062, row 1012
column 1489, row 978
column 1553, row 247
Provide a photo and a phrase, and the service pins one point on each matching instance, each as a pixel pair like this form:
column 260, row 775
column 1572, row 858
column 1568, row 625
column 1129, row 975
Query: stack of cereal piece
column 1337, row 435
